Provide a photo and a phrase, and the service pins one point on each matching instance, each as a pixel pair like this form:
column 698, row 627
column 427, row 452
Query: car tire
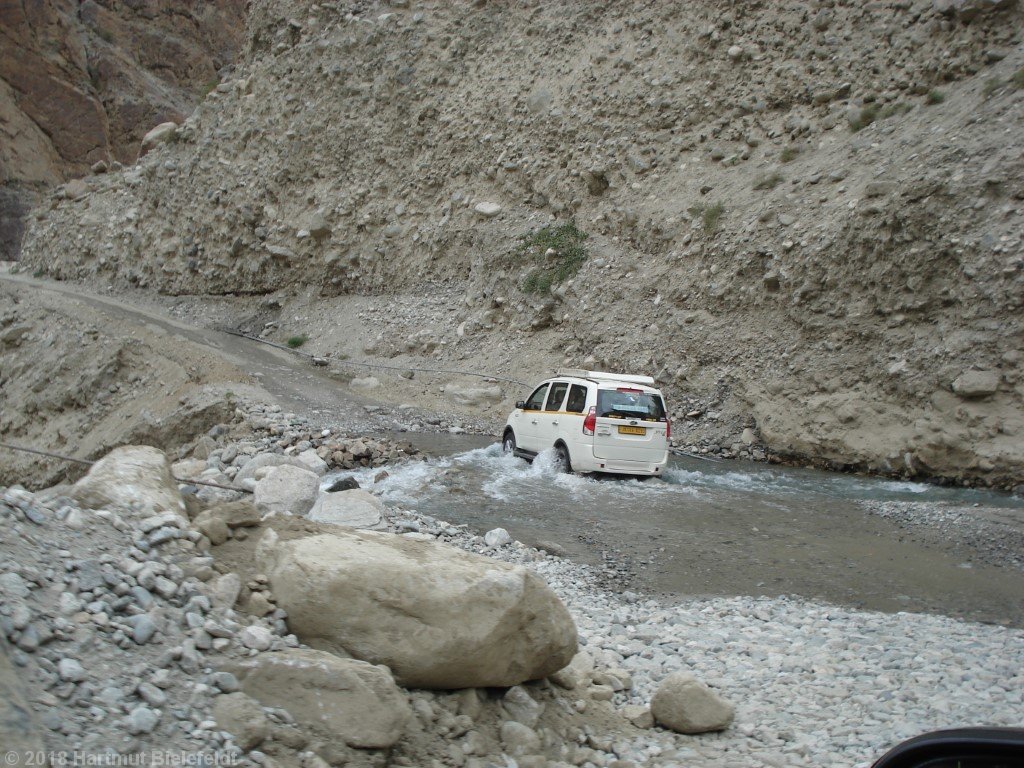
column 562, row 463
column 508, row 443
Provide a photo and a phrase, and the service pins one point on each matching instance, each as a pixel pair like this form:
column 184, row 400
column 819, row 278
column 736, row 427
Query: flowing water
column 718, row 528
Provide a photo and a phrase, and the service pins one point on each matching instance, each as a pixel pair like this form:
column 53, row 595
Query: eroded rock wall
column 81, row 82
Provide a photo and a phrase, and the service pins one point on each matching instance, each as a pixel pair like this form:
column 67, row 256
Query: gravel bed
column 992, row 536
column 813, row 684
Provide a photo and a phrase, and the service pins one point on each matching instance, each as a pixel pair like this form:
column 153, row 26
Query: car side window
column 536, row 399
column 557, row 395
column 577, row 399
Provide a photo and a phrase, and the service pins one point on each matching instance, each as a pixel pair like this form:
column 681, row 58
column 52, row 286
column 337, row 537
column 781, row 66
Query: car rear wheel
column 508, row 443
column 562, row 463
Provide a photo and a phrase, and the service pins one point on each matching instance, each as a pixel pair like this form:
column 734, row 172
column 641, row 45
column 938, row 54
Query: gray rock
column 143, row 628
column 343, row 484
column 225, row 682
column 686, row 705
column 976, row 384
column 518, row 739
column 521, row 706
column 497, row 537
column 333, row 698
column 356, row 509
column 224, row 591
column 70, row 670
column 243, row 718
column 487, row 209
column 141, row 720
column 256, row 637
column 152, row 695
column 287, row 490
column 142, row 597
column 12, row 586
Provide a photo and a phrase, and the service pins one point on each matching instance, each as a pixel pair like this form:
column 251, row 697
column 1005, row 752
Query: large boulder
column 133, row 479
column 161, row 134
column 437, row 616
column 355, row 508
column 286, row 490
column 686, row 705
column 329, row 696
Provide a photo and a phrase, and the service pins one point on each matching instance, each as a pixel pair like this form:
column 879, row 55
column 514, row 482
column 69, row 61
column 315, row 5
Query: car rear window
column 577, row 399
column 624, row 403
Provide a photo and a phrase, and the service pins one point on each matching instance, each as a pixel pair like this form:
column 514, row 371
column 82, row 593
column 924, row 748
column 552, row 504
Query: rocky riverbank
column 146, row 620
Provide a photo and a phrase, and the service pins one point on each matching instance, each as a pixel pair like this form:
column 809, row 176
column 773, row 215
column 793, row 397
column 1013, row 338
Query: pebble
column 143, row 628
column 256, row 637
column 141, row 720
column 152, row 695
column 71, row 670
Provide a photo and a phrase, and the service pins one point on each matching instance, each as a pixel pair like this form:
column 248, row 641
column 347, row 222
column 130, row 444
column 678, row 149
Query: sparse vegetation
column 105, row 34
column 788, row 154
column 40, row 272
column 560, row 251
column 894, row 110
column 710, row 215
column 230, row 396
column 864, row 118
column 209, row 86
column 992, row 85
column 297, row 341
column 935, row 97
column 1017, row 78
column 768, row 180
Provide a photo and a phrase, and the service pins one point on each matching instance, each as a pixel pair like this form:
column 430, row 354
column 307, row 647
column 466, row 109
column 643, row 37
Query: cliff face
column 81, row 82
column 806, row 217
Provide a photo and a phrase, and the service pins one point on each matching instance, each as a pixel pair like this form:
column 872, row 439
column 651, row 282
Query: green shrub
column 768, row 181
column 297, row 341
column 566, row 241
column 864, row 118
column 788, row 154
column 992, row 85
column 935, row 97
column 1017, row 78
column 710, row 215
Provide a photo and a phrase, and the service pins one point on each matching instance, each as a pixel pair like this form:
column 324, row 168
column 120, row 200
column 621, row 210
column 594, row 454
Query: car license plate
column 632, row 430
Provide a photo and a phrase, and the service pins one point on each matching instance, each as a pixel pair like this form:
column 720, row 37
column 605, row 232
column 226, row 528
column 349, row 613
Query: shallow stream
column 718, row 528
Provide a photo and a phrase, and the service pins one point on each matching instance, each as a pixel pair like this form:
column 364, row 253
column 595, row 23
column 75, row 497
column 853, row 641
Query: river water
column 717, row 528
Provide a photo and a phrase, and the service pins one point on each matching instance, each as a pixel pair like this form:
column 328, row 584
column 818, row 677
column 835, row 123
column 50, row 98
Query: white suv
column 595, row 421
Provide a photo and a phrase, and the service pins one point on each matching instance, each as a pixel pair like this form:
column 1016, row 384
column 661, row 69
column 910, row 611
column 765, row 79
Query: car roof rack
column 579, row 373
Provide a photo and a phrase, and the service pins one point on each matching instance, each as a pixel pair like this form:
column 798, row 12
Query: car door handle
column 554, row 423
column 534, row 421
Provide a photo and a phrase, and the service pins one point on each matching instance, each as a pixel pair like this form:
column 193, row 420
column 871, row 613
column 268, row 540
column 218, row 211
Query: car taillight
column 590, row 421
column 668, row 428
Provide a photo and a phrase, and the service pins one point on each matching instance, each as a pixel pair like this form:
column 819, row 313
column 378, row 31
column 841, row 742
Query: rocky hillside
column 804, row 218
column 81, row 82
